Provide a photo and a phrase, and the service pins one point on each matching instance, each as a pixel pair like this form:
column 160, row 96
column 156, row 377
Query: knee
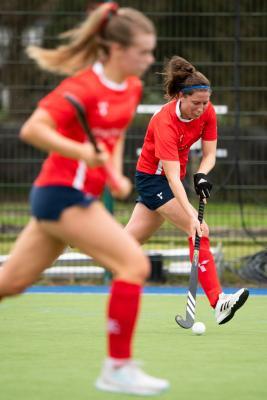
column 17, row 288
column 144, row 268
column 139, row 270
column 136, row 232
column 11, row 287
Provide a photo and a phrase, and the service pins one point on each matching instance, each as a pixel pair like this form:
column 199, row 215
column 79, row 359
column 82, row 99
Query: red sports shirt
column 169, row 137
column 110, row 108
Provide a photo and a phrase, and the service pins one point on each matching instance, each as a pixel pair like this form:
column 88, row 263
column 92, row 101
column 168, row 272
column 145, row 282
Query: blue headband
column 193, row 87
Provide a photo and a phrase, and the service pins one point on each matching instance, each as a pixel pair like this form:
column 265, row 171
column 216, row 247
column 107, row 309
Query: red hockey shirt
column 109, row 107
column 169, row 137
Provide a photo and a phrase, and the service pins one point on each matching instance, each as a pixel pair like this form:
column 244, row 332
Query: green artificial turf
column 52, row 346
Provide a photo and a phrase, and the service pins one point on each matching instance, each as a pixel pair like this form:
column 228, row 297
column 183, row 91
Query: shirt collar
column 98, row 69
column 178, row 113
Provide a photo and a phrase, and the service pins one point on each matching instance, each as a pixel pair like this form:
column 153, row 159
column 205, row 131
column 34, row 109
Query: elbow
column 173, row 181
column 25, row 133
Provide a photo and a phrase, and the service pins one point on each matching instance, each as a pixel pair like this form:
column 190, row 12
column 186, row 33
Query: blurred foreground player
column 104, row 58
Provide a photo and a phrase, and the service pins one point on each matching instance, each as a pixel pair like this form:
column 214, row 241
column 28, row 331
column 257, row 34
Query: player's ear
column 181, row 96
column 116, row 48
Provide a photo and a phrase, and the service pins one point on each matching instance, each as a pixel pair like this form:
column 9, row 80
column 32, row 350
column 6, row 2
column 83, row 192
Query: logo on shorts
column 160, row 195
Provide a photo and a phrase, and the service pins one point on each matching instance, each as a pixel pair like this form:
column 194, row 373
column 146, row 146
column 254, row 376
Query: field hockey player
column 187, row 117
column 104, row 58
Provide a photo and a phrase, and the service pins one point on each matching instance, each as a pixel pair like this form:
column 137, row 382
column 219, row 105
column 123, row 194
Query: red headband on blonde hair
column 109, row 12
column 112, row 10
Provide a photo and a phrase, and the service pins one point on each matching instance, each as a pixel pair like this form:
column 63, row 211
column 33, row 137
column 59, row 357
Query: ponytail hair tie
column 111, row 10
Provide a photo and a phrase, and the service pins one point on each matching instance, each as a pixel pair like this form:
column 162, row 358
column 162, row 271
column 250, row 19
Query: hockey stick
column 193, row 280
column 80, row 111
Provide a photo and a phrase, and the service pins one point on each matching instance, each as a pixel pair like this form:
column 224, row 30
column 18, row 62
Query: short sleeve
column 165, row 136
column 210, row 127
column 55, row 103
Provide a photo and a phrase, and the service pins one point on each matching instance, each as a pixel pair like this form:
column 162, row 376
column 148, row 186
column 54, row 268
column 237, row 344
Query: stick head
column 184, row 323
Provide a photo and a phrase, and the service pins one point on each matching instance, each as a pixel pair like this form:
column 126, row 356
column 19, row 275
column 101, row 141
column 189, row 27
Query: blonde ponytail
column 91, row 39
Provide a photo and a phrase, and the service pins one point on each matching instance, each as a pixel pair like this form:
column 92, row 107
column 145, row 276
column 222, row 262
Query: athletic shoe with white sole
column 129, row 378
column 228, row 304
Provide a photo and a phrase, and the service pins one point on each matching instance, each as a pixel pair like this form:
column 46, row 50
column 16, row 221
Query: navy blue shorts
column 153, row 190
column 48, row 202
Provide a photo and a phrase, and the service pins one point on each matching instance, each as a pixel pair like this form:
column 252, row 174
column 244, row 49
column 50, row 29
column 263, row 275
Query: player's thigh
column 95, row 232
column 33, row 251
column 143, row 223
column 173, row 212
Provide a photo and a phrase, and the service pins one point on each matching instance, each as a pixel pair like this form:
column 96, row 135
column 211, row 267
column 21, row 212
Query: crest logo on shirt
column 103, row 108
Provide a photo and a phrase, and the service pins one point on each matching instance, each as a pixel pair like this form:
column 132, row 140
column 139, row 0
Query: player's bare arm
column 208, row 156
column 172, row 171
column 117, row 161
column 40, row 131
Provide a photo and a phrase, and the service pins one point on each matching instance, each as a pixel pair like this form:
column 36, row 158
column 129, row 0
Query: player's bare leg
column 225, row 305
column 33, row 251
column 143, row 223
column 96, row 233
column 173, row 212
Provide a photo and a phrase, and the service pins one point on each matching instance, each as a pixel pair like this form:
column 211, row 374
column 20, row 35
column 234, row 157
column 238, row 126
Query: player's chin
column 141, row 71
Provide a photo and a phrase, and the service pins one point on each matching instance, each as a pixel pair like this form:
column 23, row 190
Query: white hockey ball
column 198, row 328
